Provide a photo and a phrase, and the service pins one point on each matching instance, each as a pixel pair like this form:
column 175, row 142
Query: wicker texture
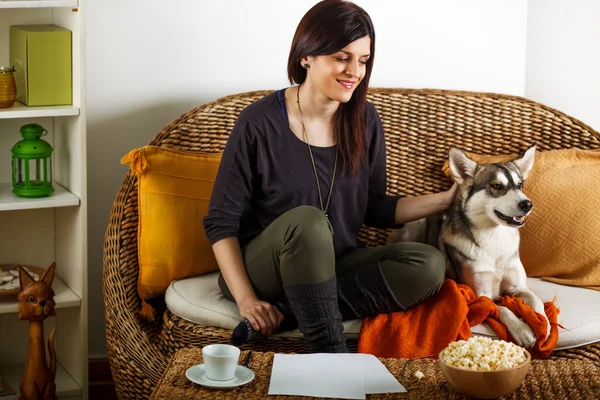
column 557, row 379
column 420, row 125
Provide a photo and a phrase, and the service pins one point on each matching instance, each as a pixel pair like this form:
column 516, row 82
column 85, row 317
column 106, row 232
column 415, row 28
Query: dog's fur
column 479, row 234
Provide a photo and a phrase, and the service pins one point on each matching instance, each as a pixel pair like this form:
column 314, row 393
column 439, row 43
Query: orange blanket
column 427, row 329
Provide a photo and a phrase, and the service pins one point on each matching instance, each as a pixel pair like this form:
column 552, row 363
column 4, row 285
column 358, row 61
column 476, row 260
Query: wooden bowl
column 485, row 384
column 15, row 292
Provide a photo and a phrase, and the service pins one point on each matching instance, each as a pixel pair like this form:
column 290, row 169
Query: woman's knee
column 433, row 264
column 414, row 272
column 307, row 225
column 428, row 259
column 308, row 254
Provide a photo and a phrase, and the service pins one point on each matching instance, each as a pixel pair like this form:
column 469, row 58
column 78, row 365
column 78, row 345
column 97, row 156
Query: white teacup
column 220, row 361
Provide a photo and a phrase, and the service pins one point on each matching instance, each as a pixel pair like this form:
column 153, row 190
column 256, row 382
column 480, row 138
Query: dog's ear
column 525, row 161
column 462, row 167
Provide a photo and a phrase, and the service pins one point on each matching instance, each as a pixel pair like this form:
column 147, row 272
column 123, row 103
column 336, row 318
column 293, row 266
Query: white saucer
column 197, row 374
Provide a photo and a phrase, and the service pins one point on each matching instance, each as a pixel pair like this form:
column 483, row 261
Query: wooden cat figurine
column 36, row 302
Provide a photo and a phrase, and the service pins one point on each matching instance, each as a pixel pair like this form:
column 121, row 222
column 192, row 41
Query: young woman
column 303, row 169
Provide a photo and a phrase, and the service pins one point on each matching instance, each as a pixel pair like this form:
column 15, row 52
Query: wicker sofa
column 420, row 125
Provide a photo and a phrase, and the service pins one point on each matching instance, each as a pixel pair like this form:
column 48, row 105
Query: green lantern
column 32, row 163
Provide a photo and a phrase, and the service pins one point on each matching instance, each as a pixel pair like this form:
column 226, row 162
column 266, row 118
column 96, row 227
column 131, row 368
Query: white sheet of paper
column 318, row 375
column 349, row 376
column 377, row 377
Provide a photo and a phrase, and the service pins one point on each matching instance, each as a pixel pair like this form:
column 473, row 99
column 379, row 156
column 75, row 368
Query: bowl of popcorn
column 484, row 368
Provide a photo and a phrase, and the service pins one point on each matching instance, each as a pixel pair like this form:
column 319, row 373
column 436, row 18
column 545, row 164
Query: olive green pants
column 297, row 248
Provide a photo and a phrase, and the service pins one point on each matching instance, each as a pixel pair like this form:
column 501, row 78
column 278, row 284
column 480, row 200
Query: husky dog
column 479, row 234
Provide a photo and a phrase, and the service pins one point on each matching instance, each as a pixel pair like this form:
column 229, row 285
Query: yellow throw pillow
column 174, row 189
column 560, row 241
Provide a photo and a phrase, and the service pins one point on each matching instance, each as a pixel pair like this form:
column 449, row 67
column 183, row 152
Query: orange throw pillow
column 174, row 189
column 560, row 241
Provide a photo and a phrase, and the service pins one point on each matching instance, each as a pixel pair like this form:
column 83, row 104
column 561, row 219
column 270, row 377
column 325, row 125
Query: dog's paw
column 522, row 334
column 547, row 328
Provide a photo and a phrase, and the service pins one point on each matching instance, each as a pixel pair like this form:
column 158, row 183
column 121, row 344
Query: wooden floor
column 101, row 385
column 102, row 392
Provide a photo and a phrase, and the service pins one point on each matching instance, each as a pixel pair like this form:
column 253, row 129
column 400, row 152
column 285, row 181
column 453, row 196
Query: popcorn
column 419, row 375
column 483, row 354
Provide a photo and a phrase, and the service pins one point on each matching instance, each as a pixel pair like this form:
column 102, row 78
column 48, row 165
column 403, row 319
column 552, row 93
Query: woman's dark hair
column 326, row 28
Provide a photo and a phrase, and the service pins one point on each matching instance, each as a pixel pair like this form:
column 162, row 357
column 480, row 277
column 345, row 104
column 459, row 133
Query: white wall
column 563, row 57
column 150, row 61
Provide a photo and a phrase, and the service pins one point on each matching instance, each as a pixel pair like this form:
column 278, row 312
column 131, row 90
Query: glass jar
column 8, row 87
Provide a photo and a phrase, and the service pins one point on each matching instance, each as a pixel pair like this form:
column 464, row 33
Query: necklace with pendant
column 326, row 207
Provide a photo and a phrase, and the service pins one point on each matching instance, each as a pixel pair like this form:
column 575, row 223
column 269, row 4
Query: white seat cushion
column 200, row 300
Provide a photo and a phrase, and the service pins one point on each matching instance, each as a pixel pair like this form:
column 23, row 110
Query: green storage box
column 41, row 55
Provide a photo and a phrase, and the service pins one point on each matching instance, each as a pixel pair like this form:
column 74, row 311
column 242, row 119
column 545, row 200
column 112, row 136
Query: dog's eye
column 31, row 299
column 520, row 185
column 496, row 186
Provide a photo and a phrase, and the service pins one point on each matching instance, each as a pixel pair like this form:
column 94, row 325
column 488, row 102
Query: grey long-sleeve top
column 266, row 170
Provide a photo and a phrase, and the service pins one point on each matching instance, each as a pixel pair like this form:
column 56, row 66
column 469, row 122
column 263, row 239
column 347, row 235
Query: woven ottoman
column 547, row 379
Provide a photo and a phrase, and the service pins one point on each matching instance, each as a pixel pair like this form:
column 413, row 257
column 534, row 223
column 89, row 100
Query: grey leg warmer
column 316, row 308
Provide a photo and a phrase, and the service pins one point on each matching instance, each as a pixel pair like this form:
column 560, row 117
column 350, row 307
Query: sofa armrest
column 133, row 343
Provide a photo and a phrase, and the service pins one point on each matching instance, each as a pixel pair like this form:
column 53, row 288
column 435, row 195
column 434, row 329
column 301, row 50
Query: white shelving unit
column 52, row 229
column 60, row 198
column 64, row 297
column 19, row 110
column 69, row 388
column 37, row 3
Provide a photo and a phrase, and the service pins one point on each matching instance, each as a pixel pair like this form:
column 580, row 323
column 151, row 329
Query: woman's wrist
column 246, row 299
column 449, row 195
column 413, row 208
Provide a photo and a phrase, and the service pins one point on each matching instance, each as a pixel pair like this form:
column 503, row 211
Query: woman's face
column 337, row 75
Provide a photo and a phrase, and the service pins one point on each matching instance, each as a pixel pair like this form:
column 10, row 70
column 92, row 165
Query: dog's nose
column 525, row 205
column 43, row 303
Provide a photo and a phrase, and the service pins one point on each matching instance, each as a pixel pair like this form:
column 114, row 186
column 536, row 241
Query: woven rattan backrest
column 420, row 126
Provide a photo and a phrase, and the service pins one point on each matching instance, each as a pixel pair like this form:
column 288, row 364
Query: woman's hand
column 263, row 316
column 413, row 208
column 450, row 193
